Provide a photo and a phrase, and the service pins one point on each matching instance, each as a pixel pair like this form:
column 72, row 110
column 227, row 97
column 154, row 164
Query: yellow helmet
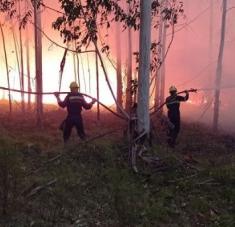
column 172, row 89
column 74, row 85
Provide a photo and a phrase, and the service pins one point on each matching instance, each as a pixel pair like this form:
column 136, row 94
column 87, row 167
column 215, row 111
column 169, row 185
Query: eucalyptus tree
column 10, row 7
column 82, row 19
column 219, row 67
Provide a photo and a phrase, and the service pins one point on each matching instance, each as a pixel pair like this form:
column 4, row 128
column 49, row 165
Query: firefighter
column 74, row 102
column 173, row 106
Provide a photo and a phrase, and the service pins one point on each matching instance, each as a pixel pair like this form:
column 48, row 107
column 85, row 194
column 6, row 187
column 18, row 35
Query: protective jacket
column 173, row 105
column 74, row 104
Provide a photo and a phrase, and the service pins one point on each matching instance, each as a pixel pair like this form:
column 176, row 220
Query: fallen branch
column 40, row 188
column 208, row 181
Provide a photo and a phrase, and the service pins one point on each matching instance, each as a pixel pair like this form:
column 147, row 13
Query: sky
column 189, row 63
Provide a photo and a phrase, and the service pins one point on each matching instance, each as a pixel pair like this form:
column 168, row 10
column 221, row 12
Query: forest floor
column 44, row 183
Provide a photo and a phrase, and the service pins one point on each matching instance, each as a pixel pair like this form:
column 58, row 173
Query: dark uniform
column 173, row 105
column 74, row 104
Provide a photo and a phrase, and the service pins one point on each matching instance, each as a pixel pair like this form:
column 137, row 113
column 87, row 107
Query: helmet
column 74, row 85
column 172, row 89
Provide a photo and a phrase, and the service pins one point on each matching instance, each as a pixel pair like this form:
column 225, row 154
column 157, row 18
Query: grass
column 94, row 185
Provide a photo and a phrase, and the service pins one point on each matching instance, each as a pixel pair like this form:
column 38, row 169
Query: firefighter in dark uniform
column 173, row 106
column 74, row 102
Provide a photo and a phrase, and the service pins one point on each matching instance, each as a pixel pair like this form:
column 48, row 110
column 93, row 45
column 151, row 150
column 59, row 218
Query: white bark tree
column 219, row 68
column 144, row 67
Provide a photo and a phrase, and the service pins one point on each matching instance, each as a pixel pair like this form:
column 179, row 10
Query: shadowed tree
column 129, row 67
column 38, row 60
column 21, row 62
column 10, row 7
column 7, row 6
column 119, row 66
column 7, row 67
column 28, row 67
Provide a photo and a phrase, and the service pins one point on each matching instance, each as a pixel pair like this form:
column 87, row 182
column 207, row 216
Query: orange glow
column 52, row 56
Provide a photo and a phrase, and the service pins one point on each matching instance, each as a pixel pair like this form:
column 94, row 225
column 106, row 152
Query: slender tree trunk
column 107, row 79
column 75, row 68
column 119, row 67
column 28, row 68
column 18, row 61
column 219, row 68
column 83, row 74
column 129, row 71
column 38, row 62
column 144, row 67
column 75, row 64
column 158, row 72
column 160, row 77
column 89, row 72
column 97, row 86
column 21, row 63
column 27, row 40
column 78, row 70
column 211, row 30
column 7, row 68
column 163, row 68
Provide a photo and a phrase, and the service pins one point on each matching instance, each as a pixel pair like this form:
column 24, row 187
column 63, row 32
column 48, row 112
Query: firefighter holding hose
column 74, row 102
column 173, row 106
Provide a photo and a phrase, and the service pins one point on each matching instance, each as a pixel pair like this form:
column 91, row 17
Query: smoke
column 192, row 62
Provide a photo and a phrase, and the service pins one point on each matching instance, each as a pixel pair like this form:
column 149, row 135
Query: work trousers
column 69, row 123
column 173, row 131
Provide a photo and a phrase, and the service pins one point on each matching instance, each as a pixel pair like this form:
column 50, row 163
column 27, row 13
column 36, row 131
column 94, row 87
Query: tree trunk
column 78, row 70
column 211, row 30
column 119, row 67
column 7, row 69
column 162, row 68
column 144, row 67
column 28, row 68
column 129, row 71
column 28, row 61
column 219, row 68
column 210, row 43
column 17, row 59
column 21, row 63
column 157, row 76
column 83, row 73
column 97, row 86
column 160, row 74
column 75, row 64
column 38, row 62
column 89, row 72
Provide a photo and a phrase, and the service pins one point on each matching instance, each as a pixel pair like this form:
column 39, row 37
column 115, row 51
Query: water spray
column 216, row 88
